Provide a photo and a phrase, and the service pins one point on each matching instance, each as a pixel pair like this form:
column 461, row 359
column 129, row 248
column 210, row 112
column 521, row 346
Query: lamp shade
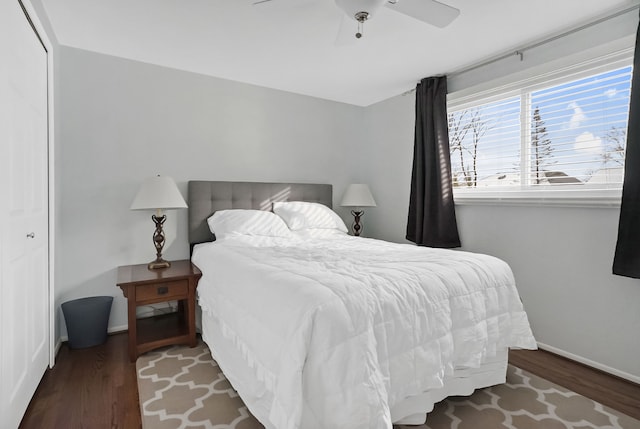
column 158, row 192
column 358, row 195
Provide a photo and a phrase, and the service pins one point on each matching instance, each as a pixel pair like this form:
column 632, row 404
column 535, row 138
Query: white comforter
column 337, row 331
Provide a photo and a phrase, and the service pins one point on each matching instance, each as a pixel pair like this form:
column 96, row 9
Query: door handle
column 31, row 235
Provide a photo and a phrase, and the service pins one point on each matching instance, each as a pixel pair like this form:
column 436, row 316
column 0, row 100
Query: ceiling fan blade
column 279, row 5
column 430, row 11
column 347, row 31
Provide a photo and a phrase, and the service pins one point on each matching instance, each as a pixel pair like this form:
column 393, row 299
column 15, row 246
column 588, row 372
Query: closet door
column 24, row 235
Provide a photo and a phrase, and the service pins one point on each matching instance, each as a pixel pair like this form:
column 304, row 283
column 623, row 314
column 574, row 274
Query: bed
column 318, row 329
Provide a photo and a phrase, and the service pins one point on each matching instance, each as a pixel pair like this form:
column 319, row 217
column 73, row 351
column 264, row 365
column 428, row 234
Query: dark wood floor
column 96, row 388
column 614, row 392
column 91, row 388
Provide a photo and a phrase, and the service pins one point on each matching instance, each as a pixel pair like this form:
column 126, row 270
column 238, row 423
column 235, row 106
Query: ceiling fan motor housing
column 354, row 7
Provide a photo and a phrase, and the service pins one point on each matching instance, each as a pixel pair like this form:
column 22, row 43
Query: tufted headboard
column 205, row 197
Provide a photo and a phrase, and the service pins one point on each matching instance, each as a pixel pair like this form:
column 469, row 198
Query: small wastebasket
column 87, row 320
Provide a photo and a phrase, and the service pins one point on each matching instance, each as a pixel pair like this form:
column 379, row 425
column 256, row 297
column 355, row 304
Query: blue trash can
column 87, row 320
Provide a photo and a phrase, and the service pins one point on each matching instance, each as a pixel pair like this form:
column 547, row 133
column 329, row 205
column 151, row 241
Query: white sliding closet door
column 24, row 234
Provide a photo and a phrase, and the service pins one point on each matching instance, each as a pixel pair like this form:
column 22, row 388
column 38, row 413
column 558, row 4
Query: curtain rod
column 520, row 52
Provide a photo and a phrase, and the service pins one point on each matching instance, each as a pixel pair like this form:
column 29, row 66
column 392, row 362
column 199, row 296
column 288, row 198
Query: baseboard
column 57, row 347
column 117, row 329
column 591, row 363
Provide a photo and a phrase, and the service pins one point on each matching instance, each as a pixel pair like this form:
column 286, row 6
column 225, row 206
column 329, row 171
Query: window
column 556, row 136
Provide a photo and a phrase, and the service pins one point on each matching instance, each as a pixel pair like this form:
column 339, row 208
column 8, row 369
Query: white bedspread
column 337, row 331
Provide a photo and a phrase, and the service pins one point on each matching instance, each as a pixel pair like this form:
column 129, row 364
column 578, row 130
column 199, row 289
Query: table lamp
column 358, row 196
column 158, row 193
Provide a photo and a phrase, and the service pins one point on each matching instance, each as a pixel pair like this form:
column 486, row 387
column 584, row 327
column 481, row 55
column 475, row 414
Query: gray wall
column 121, row 121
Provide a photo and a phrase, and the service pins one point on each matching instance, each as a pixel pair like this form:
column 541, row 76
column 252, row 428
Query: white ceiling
column 290, row 44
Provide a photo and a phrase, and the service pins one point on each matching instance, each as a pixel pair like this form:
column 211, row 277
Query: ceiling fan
column 431, row 12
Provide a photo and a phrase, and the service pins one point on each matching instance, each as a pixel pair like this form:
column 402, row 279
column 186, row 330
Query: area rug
column 182, row 387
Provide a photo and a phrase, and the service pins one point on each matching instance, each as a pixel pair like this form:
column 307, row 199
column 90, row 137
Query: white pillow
column 303, row 215
column 225, row 223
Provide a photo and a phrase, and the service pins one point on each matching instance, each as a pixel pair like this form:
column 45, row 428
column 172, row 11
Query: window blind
column 568, row 133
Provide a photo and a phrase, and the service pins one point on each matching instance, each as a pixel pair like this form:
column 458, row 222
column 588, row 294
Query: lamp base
column 158, row 242
column 357, row 226
column 158, row 263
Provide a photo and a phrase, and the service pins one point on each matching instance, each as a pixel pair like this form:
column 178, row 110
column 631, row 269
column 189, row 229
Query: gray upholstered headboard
column 204, row 198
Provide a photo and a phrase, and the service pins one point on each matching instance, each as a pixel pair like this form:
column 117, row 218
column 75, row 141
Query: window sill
column 569, row 199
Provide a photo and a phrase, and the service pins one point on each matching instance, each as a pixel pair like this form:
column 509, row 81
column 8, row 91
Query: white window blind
column 565, row 134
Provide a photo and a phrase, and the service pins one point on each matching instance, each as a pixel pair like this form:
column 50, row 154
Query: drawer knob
column 163, row 290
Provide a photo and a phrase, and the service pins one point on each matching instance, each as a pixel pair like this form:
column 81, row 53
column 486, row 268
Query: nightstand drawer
column 162, row 290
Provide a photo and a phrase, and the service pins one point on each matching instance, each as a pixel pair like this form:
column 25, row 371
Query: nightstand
column 142, row 286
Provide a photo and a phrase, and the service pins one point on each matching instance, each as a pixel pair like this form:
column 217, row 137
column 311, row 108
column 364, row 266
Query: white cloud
column 578, row 116
column 610, row 93
column 588, row 143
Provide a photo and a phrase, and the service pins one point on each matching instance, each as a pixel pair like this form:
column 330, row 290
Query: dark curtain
column 432, row 218
column 626, row 261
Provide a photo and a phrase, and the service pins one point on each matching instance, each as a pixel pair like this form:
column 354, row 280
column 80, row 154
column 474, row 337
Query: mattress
column 336, row 332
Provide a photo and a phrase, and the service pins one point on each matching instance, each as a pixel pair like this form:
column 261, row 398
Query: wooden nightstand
column 142, row 286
